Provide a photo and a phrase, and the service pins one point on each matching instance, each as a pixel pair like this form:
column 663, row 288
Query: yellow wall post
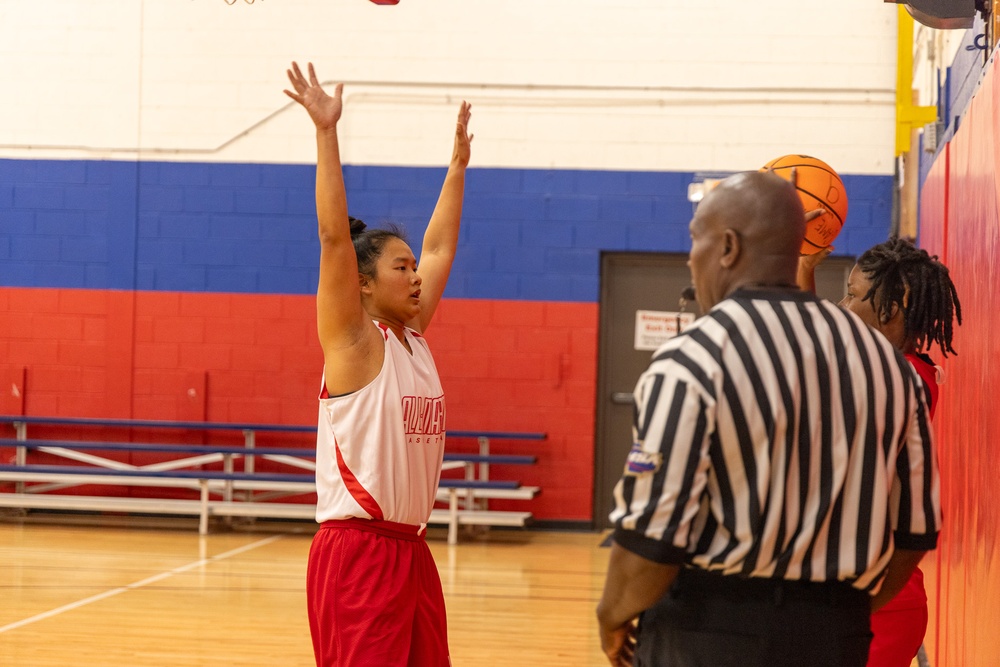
column 908, row 115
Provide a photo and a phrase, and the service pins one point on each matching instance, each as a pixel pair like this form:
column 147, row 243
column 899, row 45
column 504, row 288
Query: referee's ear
column 732, row 248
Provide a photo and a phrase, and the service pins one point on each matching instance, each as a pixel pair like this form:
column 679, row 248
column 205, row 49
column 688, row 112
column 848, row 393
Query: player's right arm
column 350, row 342
column 806, row 276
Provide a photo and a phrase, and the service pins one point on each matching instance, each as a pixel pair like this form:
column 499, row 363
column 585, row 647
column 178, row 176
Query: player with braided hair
column 903, row 278
column 907, row 295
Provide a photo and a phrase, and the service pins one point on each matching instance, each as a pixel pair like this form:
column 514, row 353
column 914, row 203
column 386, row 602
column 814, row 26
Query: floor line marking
column 138, row 584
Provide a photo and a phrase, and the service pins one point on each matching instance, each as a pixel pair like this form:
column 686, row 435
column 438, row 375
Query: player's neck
column 397, row 328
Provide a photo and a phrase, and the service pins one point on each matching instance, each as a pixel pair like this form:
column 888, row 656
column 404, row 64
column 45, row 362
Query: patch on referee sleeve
column 641, row 462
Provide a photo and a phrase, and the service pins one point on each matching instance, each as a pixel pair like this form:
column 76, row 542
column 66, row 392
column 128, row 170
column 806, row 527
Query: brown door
column 831, row 277
column 630, row 282
column 633, row 282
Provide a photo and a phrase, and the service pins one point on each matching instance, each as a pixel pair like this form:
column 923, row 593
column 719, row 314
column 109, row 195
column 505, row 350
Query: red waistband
column 401, row 531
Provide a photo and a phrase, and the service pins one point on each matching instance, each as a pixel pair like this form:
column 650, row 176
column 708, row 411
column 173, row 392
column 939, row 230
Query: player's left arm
column 633, row 584
column 441, row 238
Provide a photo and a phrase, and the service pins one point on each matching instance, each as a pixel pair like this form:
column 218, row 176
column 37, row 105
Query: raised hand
column 324, row 109
column 463, row 140
column 812, row 261
column 806, row 274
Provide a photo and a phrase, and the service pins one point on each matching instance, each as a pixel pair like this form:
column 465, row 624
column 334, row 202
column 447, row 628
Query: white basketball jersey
column 379, row 449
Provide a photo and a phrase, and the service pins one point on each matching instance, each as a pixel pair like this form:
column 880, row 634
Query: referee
column 782, row 481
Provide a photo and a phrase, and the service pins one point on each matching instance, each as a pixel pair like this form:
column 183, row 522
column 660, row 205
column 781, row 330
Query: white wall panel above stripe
column 70, row 72
column 586, row 84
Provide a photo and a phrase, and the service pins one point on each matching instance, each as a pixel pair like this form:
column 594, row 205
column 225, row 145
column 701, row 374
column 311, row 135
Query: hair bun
column 357, row 226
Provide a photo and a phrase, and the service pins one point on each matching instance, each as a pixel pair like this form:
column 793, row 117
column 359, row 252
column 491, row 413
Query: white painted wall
column 589, row 84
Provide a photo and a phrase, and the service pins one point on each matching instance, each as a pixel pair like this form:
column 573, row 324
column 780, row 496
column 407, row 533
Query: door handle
column 621, row 397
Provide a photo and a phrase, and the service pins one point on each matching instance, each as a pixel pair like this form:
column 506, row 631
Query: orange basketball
column 819, row 186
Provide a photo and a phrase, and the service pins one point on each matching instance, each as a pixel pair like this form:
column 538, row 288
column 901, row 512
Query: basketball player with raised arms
column 373, row 590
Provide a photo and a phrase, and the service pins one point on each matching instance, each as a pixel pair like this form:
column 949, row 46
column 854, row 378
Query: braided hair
column 904, row 276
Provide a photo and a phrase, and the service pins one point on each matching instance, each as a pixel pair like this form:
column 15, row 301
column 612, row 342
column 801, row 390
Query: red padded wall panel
column 960, row 220
column 933, row 212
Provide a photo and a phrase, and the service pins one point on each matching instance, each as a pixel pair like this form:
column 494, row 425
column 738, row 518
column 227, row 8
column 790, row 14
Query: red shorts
column 375, row 597
column 899, row 626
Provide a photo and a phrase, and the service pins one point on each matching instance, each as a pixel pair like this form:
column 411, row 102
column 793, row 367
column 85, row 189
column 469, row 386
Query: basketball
column 819, row 186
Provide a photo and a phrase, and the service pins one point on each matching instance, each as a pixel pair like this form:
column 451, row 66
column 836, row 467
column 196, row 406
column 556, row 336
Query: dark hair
column 896, row 266
column 369, row 243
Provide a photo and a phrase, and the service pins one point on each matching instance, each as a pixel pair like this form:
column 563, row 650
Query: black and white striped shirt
column 779, row 437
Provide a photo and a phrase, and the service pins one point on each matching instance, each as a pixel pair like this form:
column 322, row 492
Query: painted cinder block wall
column 219, row 323
column 157, row 232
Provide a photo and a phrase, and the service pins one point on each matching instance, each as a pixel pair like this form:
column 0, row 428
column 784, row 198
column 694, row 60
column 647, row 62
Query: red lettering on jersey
column 423, row 415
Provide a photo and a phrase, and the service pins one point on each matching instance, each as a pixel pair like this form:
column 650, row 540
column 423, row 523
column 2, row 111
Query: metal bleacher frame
column 229, row 491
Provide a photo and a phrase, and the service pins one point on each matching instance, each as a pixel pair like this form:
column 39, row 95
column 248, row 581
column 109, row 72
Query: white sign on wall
column 654, row 327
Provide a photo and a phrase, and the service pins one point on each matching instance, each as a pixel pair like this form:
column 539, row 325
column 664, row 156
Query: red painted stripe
column 359, row 492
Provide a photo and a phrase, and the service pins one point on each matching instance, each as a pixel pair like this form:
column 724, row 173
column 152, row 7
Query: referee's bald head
column 747, row 231
column 764, row 208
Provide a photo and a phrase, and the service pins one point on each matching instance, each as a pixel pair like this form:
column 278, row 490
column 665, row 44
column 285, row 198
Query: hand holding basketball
column 810, row 262
column 324, row 109
column 819, row 188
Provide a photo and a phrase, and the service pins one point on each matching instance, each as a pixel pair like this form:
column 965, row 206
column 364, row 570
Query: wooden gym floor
column 150, row 595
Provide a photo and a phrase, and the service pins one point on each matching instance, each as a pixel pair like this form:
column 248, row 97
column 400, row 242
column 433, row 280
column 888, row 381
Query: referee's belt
column 695, row 582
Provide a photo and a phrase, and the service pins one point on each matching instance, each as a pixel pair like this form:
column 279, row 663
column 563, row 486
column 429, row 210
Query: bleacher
column 209, row 480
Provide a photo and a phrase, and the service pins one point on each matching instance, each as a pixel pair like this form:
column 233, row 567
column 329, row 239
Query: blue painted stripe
column 250, row 228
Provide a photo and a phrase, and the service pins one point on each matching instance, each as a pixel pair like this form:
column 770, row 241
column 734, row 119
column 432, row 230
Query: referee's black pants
column 707, row 620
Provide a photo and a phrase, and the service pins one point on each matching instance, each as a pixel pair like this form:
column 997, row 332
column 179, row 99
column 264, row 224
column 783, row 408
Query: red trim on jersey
column 323, row 393
column 928, row 373
column 358, row 492
column 384, row 328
